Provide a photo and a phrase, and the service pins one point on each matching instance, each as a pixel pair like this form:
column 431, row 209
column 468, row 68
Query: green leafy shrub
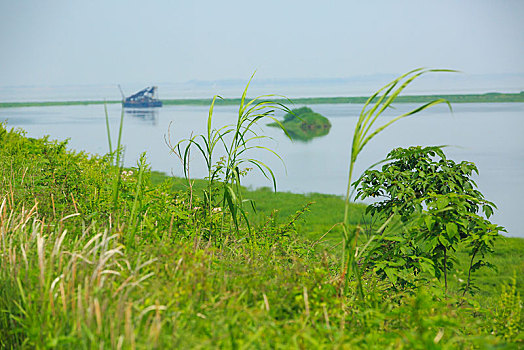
column 439, row 200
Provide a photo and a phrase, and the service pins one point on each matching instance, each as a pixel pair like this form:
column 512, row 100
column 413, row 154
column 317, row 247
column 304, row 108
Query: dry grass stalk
column 326, row 316
column 63, row 296
column 129, row 330
column 306, row 301
column 80, row 308
column 120, row 342
column 53, row 204
column 74, row 202
column 266, row 301
column 98, row 316
column 41, row 259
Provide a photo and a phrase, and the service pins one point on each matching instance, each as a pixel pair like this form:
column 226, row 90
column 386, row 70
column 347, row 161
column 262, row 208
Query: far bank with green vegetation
column 492, row 97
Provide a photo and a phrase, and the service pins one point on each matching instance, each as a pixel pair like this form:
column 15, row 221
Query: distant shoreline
column 492, row 97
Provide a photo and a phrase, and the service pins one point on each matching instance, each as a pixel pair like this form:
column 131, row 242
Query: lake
column 490, row 135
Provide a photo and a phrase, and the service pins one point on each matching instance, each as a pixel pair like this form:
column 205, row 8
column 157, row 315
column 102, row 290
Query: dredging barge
column 145, row 98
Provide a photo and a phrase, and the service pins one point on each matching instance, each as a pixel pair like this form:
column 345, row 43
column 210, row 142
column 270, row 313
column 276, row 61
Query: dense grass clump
column 95, row 256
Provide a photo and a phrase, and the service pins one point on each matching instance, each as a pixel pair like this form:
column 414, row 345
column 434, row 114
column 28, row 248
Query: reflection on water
column 148, row 115
column 308, row 133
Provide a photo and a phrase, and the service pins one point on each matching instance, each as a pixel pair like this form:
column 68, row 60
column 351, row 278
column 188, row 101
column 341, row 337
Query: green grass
column 508, row 258
column 324, row 211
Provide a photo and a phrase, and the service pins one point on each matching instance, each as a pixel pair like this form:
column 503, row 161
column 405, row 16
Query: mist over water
column 450, row 83
column 490, row 135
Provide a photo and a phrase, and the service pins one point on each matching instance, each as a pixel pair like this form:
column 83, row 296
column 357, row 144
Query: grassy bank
column 453, row 98
column 325, row 212
column 96, row 256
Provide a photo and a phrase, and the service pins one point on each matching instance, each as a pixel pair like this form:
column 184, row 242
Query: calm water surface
column 490, row 135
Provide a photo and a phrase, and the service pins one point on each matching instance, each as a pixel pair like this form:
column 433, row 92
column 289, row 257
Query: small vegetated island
column 303, row 124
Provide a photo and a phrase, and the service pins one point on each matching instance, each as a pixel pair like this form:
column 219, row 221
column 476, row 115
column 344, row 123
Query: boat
column 145, row 98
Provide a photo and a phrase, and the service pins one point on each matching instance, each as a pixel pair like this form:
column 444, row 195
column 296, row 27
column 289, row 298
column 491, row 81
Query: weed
column 508, row 316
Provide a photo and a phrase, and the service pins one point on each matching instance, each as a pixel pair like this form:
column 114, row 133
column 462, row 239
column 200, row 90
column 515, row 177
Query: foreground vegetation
column 70, row 276
column 93, row 255
column 490, row 97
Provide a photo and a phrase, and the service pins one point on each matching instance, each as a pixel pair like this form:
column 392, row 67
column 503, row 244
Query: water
column 490, row 135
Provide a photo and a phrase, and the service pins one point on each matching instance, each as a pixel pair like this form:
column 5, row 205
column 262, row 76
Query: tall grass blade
column 108, row 130
column 138, row 193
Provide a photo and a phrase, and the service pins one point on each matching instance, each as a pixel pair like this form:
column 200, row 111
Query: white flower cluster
column 126, row 174
column 214, row 210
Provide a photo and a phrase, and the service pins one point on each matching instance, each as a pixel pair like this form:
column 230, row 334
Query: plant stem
column 345, row 224
column 469, row 271
column 445, row 270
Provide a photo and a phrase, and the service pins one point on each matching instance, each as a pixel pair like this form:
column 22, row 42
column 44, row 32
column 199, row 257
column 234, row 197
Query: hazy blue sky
column 91, row 42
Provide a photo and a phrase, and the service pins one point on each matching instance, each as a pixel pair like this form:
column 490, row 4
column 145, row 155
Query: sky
column 110, row 41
